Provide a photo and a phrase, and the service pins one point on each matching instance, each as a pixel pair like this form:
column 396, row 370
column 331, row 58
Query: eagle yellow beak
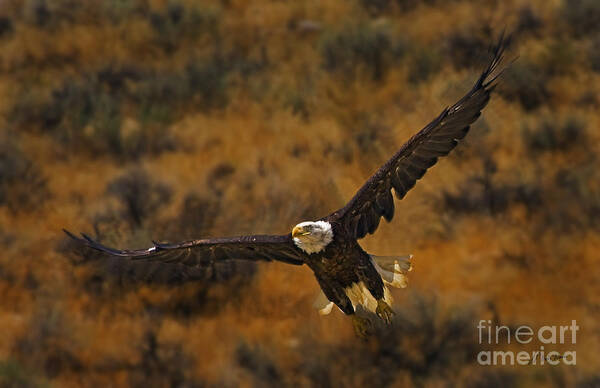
column 299, row 231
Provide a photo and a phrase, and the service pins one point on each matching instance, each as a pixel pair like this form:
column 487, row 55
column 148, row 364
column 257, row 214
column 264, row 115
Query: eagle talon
column 362, row 326
column 384, row 311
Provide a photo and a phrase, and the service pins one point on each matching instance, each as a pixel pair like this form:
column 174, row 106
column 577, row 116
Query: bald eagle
column 349, row 277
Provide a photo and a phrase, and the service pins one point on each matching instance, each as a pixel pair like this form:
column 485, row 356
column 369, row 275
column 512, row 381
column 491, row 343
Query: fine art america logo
column 545, row 335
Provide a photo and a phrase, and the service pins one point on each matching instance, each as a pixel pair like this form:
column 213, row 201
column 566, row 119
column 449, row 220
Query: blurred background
column 134, row 120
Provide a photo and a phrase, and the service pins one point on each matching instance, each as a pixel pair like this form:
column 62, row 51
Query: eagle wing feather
column 195, row 252
column 373, row 200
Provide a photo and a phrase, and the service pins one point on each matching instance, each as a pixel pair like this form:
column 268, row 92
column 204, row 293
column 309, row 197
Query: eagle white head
column 312, row 237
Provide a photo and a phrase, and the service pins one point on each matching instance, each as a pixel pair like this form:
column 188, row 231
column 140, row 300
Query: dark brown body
column 342, row 263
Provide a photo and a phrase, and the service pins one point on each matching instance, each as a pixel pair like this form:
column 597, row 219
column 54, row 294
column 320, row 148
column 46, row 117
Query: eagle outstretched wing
column 195, row 252
column 374, row 199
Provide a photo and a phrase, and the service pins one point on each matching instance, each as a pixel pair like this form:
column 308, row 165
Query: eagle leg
column 362, row 326
column 384, row 311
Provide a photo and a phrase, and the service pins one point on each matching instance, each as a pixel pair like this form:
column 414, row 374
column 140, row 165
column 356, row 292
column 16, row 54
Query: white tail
column 323, row 304
column 393, row 269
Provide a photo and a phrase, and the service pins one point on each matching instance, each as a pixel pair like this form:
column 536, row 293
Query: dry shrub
column 376, row 7
column 6, row 26
column 22, row 184
column 562, row 199
column 197, row 216
column 90, row 113
column 425, row 342
column 130, row 80
column 555, row 136
column 574, row 199
column 581, row 16
column 560, row 57
column 47, row 344
column 261, row 368
column 482, row 193
column 177, row 22
column 114, row 106
column 383, row 7
column 355, row 48
column 524, row 82
column 589, row 382
column 491, row 378
column 14, row 374
column 424, row 62
column 162, row 364
column 213, row 284
column 528, row 23
column 140, row 196
column 465, row 47
column 594, row 53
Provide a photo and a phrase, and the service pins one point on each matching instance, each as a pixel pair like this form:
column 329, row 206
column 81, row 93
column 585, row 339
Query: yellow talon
column 362, row 326
column 384, row 311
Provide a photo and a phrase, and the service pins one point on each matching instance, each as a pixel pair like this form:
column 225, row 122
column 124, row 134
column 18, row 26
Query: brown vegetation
column 149, row 119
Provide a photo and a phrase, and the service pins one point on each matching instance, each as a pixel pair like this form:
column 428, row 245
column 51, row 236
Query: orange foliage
column 259, row 115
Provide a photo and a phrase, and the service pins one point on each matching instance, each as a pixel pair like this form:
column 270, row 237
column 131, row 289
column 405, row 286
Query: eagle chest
column 334, row 264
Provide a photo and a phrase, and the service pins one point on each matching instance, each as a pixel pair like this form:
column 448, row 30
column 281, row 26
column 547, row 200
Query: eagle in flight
column 349, row 277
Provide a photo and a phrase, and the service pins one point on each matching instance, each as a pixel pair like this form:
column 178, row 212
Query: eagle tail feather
column 393, row 269
column 323, row 304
